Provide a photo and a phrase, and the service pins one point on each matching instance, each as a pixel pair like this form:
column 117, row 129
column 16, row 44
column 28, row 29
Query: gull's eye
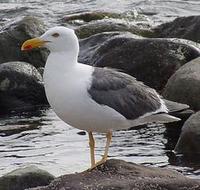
column 55, row 35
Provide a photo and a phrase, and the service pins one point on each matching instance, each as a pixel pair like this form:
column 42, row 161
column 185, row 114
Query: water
column 51, row 11
column 50, row 144
column 47, row 142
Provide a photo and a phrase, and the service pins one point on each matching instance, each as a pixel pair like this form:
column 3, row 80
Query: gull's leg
column 92, row 146
column 105, row 156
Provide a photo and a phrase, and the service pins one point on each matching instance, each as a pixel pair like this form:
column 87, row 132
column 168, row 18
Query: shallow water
column 56, row 147
column 51, row 11
column 52, row 145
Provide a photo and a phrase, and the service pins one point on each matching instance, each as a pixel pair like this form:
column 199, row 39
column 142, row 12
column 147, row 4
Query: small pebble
column 81, row 133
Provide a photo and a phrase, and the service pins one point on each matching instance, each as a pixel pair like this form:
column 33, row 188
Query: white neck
column 61, row 62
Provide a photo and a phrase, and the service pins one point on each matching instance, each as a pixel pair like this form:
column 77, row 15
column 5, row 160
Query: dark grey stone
column 21, row 87
column 89, row 45
column 182, row 27
column 121, row 175
column 81, row 133
column 89, row 16
column 23, row 178
column 13, row 35
column 189, row 139
column 100, row 26
column 183, row 85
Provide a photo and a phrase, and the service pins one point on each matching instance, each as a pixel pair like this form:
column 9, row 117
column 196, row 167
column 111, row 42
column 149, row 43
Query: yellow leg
column 92, row 147
column 105, row 156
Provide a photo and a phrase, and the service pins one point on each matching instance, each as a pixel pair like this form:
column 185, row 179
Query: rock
column 118, row 174
column 89, row 45
column 182, row 27
column 152, row 61
column 23, row 178
column 189, row 139
column 89, row 16
column 81, row 133
column 183, row 85
column 100, row 26
column 21, row 87
column 81, row 18
column 13, row 35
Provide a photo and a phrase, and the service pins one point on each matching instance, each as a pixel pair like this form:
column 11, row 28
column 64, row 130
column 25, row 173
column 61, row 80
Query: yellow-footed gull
column 90, row 98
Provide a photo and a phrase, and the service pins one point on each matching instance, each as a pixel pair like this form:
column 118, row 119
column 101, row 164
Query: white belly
column 68, row 96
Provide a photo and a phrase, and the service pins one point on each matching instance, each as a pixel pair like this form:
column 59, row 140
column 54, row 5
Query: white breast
column 66, row 92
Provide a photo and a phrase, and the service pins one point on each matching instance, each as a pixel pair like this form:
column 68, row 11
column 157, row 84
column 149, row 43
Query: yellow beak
column 32, row 43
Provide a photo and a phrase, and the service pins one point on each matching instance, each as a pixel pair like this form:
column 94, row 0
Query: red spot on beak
column 28, row 47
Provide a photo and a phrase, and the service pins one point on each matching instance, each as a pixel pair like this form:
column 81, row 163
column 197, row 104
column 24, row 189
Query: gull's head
column 57, row 39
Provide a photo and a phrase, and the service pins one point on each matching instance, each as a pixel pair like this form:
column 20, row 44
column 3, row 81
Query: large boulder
column 118, row 174
column 13, row 35
column 182, row 27
column 183, row 85
column 89, row 45
column 21, row 87
column 189, row 139
column 23, row 178
column 152, row 61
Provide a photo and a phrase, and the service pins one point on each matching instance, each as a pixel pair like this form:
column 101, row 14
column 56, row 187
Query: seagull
column 91, row 98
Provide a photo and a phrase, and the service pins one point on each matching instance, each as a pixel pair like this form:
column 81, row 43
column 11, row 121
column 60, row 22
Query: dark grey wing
column 123, row 93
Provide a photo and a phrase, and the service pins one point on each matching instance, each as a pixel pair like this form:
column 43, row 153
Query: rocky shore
column 23, row 178
column 113, row 175
column 165, row 57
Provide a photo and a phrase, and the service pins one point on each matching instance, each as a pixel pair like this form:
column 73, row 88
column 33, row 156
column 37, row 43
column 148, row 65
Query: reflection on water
column 52, row 145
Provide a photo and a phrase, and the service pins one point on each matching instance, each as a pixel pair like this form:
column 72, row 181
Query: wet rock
column 21, row 87
column 13, row 35
column 183, row 85
column 89, row 45
column 182, row 27
column 23, row 178
column 100, row 26
column 81, row 133
column 152, row 61
column 90, row 16
column 189, row 139
column 118, row 174
column 81, row 18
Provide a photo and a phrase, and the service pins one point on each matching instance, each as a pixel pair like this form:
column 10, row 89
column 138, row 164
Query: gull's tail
column 160, row 118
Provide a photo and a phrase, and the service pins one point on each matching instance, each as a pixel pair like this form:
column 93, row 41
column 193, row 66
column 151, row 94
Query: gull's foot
column 103, row 160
